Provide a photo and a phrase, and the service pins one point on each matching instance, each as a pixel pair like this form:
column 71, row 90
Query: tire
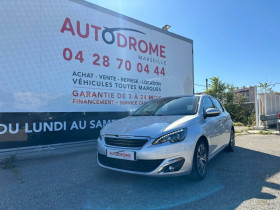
column 231, row 145
column 200, row 161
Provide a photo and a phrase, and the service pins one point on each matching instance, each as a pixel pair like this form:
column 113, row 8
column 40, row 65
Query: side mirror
column 212, row 112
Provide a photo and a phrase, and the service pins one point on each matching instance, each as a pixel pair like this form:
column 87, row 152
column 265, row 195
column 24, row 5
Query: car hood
column 152, row 126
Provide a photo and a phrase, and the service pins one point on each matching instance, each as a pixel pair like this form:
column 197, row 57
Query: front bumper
column 167, row 159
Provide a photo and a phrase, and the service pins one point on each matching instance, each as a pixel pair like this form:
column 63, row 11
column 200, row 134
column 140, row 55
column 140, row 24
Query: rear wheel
column 231, row 145
column 200, row 161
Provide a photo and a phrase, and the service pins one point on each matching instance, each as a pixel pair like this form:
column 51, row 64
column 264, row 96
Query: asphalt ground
column 248, row 178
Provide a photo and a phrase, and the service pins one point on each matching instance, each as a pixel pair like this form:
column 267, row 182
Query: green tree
column 233, row 102
column 265, row 87
column 217, row 88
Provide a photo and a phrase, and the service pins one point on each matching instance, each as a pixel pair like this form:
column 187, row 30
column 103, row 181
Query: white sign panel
column 66, row 56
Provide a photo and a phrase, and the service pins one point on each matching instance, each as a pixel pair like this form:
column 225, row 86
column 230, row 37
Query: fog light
column 173, row 165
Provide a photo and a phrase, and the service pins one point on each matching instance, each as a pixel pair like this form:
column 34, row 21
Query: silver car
column 168, row 136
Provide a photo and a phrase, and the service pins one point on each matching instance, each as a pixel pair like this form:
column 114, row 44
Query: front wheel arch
column 203, row 138
column 195, row 171
column 231, row 145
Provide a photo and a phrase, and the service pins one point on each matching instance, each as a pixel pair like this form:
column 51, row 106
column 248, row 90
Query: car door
column 223, row 120
column 212, row 127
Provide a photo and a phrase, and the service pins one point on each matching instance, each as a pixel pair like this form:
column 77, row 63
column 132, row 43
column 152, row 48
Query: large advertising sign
column 70, row 67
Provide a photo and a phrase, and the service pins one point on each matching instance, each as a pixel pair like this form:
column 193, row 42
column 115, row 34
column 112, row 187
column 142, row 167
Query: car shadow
column 232, row 178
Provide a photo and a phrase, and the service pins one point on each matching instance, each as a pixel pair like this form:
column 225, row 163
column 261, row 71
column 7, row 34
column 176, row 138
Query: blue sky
column 238, row 41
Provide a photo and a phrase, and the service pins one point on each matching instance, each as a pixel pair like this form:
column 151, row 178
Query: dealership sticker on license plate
column 125, row 155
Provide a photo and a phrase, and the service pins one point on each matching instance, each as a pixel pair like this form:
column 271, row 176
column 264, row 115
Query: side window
column 217, row 104
column 207, row 103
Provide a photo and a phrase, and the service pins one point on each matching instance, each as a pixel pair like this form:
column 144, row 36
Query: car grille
column 120, row 142
column 138, row 165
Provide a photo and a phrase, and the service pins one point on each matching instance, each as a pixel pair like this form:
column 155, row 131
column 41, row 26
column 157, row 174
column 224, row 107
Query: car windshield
column 186, row 105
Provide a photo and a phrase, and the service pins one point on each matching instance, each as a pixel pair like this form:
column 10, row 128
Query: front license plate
column 125, row 155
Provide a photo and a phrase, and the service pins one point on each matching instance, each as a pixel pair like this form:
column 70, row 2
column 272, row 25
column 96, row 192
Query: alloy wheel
column 201, row 159
column 232, row 140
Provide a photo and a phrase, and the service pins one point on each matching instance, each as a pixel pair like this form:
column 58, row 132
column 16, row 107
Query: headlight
column 173, row 137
